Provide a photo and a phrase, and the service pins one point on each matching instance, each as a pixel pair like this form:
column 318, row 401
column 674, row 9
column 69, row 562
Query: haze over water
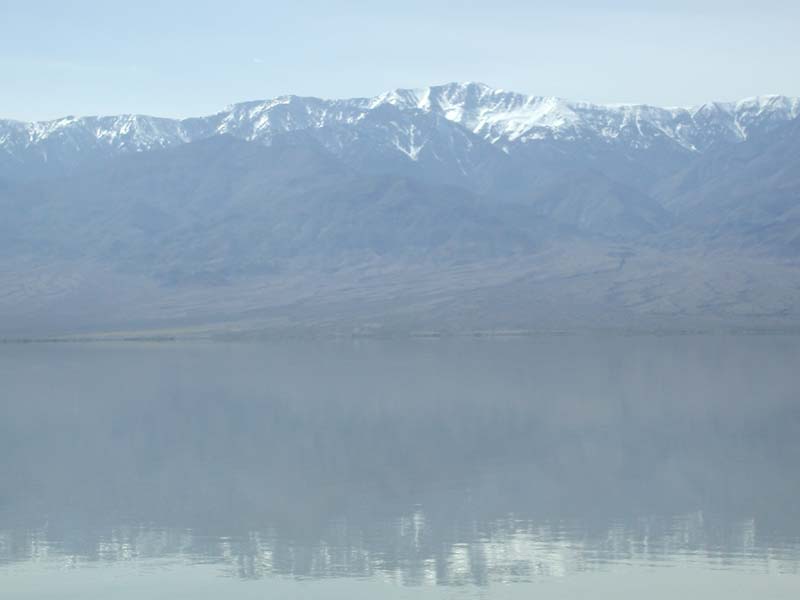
column 566, row 466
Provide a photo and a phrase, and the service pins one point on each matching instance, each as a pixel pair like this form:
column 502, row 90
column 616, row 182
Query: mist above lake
column 430, row 464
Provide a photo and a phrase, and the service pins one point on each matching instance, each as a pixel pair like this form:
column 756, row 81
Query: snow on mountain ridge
column 501, row 117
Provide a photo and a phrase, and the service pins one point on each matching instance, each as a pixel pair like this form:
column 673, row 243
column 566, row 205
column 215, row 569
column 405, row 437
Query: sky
column 178, row 58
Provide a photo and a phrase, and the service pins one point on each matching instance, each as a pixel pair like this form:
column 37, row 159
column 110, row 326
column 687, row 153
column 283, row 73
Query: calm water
column 554, row 467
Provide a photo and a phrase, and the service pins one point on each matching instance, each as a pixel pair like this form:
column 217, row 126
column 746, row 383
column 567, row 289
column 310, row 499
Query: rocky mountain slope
column 457, row 206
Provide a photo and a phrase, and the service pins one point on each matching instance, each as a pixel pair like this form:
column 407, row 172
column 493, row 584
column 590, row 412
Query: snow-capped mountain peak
column 507, row 117
column 405, row 120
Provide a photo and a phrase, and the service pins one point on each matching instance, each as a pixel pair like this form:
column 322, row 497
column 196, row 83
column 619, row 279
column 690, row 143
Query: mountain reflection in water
column 424, row 462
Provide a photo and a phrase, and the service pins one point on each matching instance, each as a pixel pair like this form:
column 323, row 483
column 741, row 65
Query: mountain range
column 447, row 209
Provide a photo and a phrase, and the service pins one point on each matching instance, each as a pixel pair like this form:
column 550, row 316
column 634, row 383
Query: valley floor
column 587, row 288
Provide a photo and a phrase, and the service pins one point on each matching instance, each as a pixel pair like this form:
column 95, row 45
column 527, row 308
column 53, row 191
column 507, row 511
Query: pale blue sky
column 184, row 58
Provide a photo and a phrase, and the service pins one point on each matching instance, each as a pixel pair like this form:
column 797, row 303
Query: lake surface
column 556, row 467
